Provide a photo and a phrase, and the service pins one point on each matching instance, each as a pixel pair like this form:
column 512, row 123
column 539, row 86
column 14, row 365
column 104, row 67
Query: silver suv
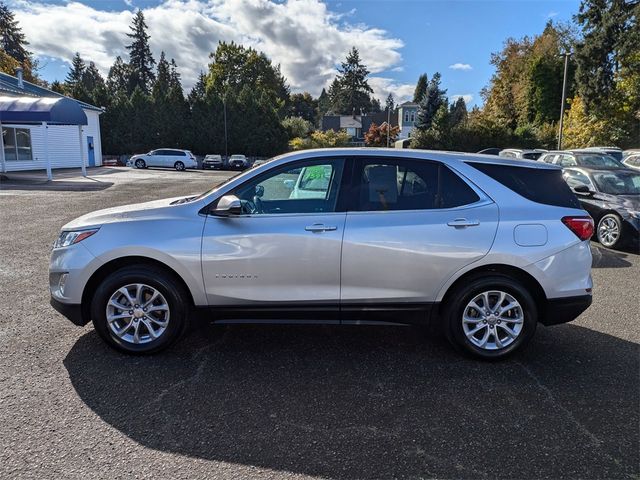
column 484, row 248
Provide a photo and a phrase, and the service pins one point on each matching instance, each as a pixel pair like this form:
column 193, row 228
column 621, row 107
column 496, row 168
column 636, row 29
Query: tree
column 324, row 105
column 94, row 86
column 141, row 61
column 233, row 67
column 162, row 82
column 320, row 139
column 431, row 101
column 377, row 135
column 13, row 43
column 57, row 87
column 390, row 103
column 303, row 105
column 353, row 93
column 118, row 78
column 421, row 88
column 458, row 111
column 297, row 127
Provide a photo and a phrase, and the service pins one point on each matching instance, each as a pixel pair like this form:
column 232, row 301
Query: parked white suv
column 239, row 162
column 484, row 248
column 165, row 157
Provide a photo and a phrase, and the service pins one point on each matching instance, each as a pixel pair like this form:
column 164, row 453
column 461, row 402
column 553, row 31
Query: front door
column 411, row 225
column 282, row 255
column 91, row 152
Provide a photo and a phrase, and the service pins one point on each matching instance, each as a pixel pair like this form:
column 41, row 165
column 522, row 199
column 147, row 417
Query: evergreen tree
column 390, row 103
column 354, row 92
column 304, row 106
column 375, row 105
column 334, row 89
column 94, row 86
column 421, row 88
column 162, row 79
column 431, row 102
column 141, row 61
column 199, row 90
column 458, row 111
column 12, row 40
column 73, row 83
column 118, row 78
column 57, row 87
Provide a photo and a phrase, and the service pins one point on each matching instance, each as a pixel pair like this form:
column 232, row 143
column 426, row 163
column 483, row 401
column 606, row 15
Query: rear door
column 411, row 224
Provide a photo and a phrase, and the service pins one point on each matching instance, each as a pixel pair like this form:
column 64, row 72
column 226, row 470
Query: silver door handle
column 319, row 227
column 463, row 222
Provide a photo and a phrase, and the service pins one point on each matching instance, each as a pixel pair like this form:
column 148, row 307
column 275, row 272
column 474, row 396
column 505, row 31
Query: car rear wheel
column 490, row 317
column 179, row 166
column 140, row 163
column 610, row 230
column 140, row 310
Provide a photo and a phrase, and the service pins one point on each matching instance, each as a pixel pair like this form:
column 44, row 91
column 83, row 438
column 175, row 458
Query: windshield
column 618, row 183
column 598, row 161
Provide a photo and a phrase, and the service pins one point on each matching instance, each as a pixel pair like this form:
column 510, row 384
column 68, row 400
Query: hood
column 148, row 210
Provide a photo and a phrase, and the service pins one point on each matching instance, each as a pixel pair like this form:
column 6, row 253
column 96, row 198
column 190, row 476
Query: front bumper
column 72, row 311
column 563, row 310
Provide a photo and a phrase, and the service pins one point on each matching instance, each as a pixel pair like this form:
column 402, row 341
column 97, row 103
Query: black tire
column 140, row 163
column 179, row 166
column 457, row 301
column 160, row 280
column 605, row 238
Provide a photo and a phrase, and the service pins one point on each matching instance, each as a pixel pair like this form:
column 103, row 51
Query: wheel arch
column 528, row 281
column 115, row 264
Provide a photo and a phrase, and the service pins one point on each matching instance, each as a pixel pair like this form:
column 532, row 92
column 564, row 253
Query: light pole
column 224, row 105
column 566, row 56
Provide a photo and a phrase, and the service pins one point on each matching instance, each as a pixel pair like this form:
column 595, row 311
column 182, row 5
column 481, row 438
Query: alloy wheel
column 137, row 313
column 608, row 231
column 492, row 320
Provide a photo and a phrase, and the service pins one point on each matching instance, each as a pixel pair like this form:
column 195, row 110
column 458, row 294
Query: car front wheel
column 490, row 317
column 610, row 230
column 140, row 163
column 140, row 310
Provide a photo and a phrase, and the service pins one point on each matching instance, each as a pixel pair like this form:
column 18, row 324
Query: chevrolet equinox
column 480, row 246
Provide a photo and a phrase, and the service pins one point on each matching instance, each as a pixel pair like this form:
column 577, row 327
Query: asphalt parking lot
column 300, row 402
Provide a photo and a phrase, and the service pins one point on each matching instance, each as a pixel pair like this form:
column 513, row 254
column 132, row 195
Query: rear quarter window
column 538, row 185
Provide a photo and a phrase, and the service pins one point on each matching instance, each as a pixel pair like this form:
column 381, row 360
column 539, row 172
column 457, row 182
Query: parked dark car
column 581, row 158
column 612, row 198
column 213, row 162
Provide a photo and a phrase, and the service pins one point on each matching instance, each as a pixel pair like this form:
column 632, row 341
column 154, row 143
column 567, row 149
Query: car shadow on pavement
column 89, row 185
column 608, row 258
column 374, row 402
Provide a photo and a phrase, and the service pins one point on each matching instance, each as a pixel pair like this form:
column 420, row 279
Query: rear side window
column 538, row 185
column 398, row 184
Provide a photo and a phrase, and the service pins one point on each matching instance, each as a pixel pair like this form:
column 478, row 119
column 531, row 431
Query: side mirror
column 228, row 205
column 582, row 190
column 259, row 191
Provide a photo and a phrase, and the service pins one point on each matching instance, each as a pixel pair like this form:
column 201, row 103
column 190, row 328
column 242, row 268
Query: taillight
column 581, row 226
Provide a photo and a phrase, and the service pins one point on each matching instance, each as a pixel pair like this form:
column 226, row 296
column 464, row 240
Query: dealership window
column 17, row 144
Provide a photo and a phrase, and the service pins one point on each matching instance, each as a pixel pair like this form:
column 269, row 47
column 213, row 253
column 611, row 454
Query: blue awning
column 57, row 111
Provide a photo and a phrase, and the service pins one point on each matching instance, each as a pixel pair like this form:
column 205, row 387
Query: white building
column 43, row 130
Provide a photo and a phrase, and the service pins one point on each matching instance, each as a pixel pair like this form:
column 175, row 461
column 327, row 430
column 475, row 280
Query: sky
column 397, row 40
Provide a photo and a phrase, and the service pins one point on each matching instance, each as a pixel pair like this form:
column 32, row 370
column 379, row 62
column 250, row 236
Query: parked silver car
column 483, row 247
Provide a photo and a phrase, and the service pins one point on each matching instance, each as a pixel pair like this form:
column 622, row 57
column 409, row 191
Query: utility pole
column 566, row 56
column 388, row 124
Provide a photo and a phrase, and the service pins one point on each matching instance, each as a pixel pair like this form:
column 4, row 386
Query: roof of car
column 599, row 169
column 420, row 154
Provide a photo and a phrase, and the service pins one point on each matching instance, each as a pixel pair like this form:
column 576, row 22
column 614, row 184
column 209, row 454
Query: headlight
column 69, row 238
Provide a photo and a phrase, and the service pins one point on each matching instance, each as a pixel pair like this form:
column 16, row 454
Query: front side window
column 598, row 161
column 305, row 187
column 17, row 144
column 390, row 184
column 618, row 183
column 567, row 161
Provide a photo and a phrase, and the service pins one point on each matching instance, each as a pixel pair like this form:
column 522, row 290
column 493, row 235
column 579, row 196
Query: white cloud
column 383, row 86
column 303, row 36
column 552, row 14
column 467, row 97
column 460, row 66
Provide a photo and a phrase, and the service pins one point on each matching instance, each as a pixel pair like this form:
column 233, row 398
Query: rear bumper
column 70, row 310
column 563, row 310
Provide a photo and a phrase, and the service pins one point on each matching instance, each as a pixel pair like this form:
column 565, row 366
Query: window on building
column 413, row 116
column 406, row 117
column 17, row 144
